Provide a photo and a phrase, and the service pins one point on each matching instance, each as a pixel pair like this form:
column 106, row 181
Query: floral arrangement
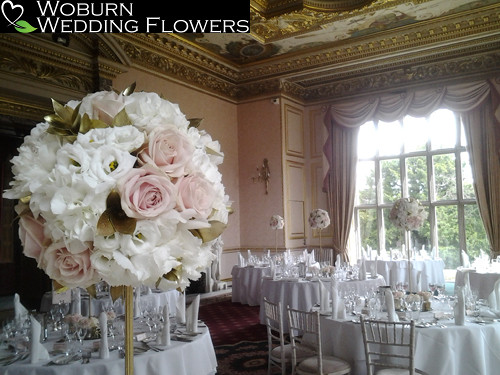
column 276, row 222
column 119, row 187
column 319, row 219
column 408, row 214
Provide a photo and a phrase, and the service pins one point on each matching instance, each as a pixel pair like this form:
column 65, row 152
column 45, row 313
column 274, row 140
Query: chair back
column 275, row 334
column 305, row 324
column 388, row 345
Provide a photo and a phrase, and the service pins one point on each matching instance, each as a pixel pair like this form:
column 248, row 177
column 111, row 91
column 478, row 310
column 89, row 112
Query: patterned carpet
column 240, row 340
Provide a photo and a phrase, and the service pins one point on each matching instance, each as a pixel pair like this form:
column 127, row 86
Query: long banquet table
column 180, row 358
column 246, row 284
column 394, row 271
column 481, row 281
column 303, row 294
column 471, row 349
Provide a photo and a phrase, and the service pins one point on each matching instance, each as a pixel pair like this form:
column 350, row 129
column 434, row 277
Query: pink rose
column 146, row 193
column 195, row 193
column 71, row 270
column 32, row 236
column 168, row 149
column 107, row 106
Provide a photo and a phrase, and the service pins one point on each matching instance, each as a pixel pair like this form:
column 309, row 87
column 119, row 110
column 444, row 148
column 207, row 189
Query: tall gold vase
column 129, row 330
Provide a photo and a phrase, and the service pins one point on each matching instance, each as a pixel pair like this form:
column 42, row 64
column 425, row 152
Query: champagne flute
column 81, row 333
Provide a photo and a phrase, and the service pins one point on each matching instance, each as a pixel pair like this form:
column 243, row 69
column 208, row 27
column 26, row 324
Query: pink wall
column 219, row 120
column 259, row 137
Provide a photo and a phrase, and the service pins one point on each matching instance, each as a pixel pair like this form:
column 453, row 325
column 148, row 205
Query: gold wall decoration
column 263, row 175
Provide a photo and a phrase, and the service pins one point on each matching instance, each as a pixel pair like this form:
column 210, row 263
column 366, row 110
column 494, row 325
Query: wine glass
column 81, row 332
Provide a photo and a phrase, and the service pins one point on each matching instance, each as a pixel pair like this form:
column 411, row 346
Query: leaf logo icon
column 12, row 13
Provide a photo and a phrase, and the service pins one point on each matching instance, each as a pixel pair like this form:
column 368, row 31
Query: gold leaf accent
column 25, row 199
column 114, row 219
column 194, row 122
column 58, row 287
column 129, row 90
column 92, row 291
column 209, row 234
column 211, row 151
column 116, row 292
column 121, row 119
column 65, row 121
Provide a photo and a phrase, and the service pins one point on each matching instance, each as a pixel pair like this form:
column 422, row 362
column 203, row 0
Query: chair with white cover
column 389, row 347
column 305, row 330
column 280, row 350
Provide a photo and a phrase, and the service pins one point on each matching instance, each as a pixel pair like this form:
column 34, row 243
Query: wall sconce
column 263, row 175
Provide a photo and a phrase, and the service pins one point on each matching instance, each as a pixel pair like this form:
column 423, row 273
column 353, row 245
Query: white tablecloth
column 303, row 295
column 481, row 282
column 456, row 350
column 156, row 299
column 246, row 284
column 394, row 271
column 181, row 358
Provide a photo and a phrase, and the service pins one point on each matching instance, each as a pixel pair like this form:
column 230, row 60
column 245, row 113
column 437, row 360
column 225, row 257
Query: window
column 424, row 158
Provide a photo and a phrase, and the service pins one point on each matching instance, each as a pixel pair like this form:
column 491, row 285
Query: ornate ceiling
column 310, row 55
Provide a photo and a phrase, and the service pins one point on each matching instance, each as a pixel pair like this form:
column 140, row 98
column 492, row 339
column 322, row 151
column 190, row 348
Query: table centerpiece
column 121, row 188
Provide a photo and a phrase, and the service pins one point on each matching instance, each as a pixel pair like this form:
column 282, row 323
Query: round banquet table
column 302, row 294
column 156, row 299
column 455, row 350
column 394, row 271
column 482, row 282
column 180, row 358
column 246, row 284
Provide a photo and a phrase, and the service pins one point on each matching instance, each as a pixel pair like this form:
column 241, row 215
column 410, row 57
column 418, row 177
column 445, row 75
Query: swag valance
column 478, row 105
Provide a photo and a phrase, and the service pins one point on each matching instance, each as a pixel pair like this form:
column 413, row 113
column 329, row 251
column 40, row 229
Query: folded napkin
column 20, row 312
column 390, row 253
column 335, row 299
column 324, row 297
column 338, row 261
column 241, row 260
column 362, row 269
column 341, row 310
column 389, row 304
column 38, row 351
column 373, row 268
column 137, row 302
column 164, row 336
column 192, row 315
column 76, row 301
column 489, row 312
column 180, row 308
column 465, row 259
column 312, row 256
column 103, row 345
column 459, row 309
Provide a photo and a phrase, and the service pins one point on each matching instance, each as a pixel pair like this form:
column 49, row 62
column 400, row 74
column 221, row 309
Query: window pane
column 443, row 129
column 394, row 236
column 389, row 138
column 417, row 178
column 415, row 133
column 368, row 228
column 447, row 228
column 474, row 231
column 391, row 180
column 445, row 177
column 365, row 173
column 367, row 145
column 421, row 239
column 463, row 139
column 467, row 181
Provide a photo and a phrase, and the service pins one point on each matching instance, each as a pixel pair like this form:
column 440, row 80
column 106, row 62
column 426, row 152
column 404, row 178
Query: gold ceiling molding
column 335, row 5
column 15, row 107
column 302, row 21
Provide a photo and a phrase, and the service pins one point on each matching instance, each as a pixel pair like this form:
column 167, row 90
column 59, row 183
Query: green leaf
column 24, row 27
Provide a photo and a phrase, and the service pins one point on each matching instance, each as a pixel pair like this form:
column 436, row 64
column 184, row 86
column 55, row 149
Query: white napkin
column 312, row 256
column 241, row 260
column 164, row 337
column 335, row 299
column 459, row 310
column 192, row 315
column 103, row 345
column 338, row 262
column 38, row 351
column 390, row 253
column 137, row 303
column 434, row 253
column 489, row 312
column 180, row 308
column 20, row 312
column 268, row 253
column 467, row 289
column 76, row 302
column 389, row 303
column 373, row 268
column 465, row 259
column 492, row 300
column 324, row 297
column 362, row 269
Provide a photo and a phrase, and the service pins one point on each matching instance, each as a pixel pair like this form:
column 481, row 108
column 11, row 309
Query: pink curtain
column 343, row 119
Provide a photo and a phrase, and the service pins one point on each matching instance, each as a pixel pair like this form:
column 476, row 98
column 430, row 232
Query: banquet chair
column 280, row 349
column 305, row 331
column 389, row 347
